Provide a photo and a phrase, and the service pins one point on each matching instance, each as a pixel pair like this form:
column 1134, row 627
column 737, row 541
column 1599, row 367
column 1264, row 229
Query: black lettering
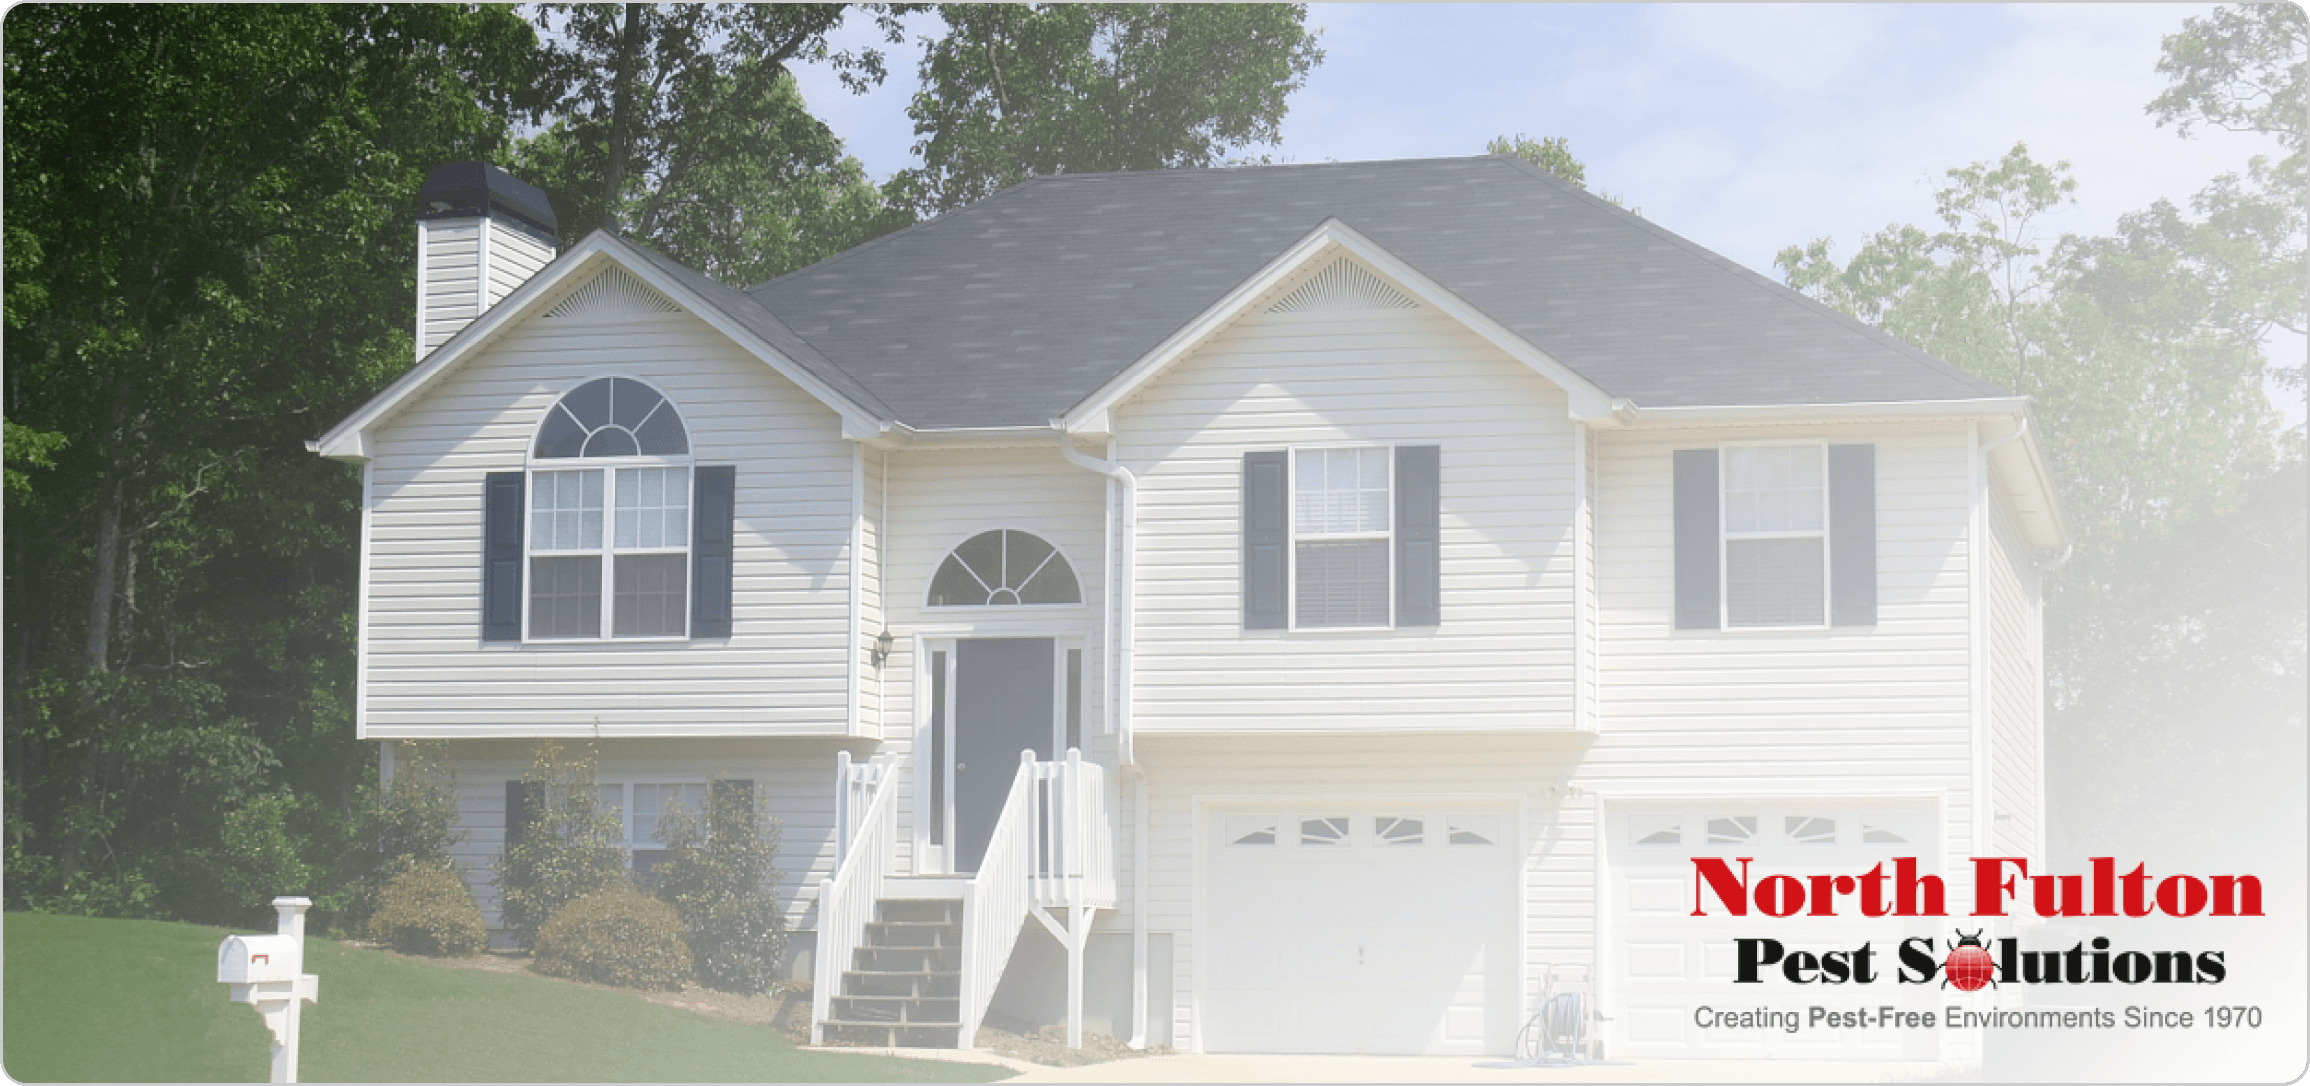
column 1917, row 958
column 2210, row 967
column 1755, row 954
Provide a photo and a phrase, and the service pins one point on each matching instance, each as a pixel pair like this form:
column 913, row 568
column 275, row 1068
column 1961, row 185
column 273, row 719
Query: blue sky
column 1743, row 127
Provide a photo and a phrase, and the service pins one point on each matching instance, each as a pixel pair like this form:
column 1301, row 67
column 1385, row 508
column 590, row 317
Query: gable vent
column 612, row 294
column 1346, row 286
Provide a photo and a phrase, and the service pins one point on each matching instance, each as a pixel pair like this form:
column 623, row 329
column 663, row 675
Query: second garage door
column 1349, row 928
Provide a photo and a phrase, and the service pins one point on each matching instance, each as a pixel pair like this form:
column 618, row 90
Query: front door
column 1002, row 704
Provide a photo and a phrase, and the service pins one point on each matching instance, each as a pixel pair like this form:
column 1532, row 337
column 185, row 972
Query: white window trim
column 1293, row 538
column 609, row 551
column 1724, row 540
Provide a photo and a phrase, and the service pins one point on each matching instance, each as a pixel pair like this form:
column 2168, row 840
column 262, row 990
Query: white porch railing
column 866, row 853
column 1053, row 847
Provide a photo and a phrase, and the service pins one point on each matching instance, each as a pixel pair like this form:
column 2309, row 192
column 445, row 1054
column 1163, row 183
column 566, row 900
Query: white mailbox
column 256, row 959
column 267, row 971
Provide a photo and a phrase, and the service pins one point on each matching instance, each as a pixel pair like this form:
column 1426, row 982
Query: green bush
column 616, row 936
column 719, row 877
column 567, row 846
column 426, row 909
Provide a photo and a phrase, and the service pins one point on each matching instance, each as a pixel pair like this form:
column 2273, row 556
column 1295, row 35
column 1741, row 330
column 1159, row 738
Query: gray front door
column 1002, row 705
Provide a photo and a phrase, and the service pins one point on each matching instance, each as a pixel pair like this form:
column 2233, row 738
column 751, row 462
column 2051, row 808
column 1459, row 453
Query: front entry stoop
column 904, row 987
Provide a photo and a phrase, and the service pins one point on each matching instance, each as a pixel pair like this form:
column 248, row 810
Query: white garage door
column 1664, row 963
column 1349, row 928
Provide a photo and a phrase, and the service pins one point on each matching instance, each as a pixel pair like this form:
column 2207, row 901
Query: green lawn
column 137, row 1001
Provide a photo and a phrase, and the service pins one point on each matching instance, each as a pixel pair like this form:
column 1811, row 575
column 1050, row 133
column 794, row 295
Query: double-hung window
column 1340, row 531
column 1776, row 566
column 1341, row 538
column 623, row 537
column 1776, row 536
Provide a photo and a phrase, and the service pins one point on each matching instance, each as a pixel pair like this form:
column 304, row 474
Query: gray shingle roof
column 1012, row 310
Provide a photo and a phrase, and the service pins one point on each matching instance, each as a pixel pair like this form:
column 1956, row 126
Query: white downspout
column 1118, row 602
column 1984, row 800
column 1118, row 605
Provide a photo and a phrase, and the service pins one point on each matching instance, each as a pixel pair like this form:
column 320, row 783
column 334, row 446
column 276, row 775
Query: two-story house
column 1294, row 609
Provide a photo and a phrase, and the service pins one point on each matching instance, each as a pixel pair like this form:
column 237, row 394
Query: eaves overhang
column 350, row 439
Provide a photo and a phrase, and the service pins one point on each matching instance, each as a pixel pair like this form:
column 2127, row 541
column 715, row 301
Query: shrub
column 719, row 877
column 563, row 847
column 616, row 936
column 426, row 909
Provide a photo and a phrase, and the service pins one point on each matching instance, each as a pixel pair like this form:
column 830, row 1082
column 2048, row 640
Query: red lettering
column 2237, row 895
column 1717, row 875
column 1988, row 893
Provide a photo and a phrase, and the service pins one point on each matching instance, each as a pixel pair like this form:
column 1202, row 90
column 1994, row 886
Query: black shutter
column 712, row 538
column 1419, row 571
column 501, row 557
column 739, row 793
column 1266, row 539
column 518, row 811
column 1697, row 585
column 1852, row 535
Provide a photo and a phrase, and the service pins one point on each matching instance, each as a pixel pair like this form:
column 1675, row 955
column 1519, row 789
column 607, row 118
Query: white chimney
column 481, row 232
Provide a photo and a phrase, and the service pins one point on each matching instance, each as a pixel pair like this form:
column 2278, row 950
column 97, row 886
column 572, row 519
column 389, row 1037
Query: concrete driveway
column 1485, row 1069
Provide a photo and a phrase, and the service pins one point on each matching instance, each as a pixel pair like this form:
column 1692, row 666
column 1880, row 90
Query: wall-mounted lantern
column 882, row 643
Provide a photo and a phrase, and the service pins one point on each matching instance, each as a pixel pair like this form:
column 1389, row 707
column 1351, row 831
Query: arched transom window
column 613, row 416
column 610, row 516
column 1004, row 566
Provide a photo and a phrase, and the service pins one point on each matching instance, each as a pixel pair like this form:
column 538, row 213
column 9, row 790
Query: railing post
column 842, row 787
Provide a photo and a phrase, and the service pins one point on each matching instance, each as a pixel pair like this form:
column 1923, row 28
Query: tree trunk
column 106, row 574
column 621, row 117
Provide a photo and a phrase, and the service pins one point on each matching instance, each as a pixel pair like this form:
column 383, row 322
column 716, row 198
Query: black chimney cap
column 478, row 188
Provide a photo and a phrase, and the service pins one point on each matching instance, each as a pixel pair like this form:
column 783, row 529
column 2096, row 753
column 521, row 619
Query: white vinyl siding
column 2016, row 689
column 453, row 288
column 1502, row 656
column 783, row 670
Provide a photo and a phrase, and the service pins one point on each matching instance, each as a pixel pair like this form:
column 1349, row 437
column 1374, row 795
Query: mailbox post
column 268, row 972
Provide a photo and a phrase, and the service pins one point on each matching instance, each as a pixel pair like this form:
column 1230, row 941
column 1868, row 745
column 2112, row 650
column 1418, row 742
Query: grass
column 137, row 1001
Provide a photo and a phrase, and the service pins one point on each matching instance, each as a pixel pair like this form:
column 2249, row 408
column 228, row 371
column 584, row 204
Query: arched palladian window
column 1004, row 566
column 612, row 416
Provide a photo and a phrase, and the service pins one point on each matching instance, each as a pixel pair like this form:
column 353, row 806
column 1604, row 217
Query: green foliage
column 26, row 447
column 425, row 908
column 1024, row 90
column 2176, row 640
column 617, row 936
column 724, row 883
column 680, row 125
column 208, row 260
column 569, row 848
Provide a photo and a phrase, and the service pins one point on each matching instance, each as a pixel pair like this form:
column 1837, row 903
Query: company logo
column 1969, row 963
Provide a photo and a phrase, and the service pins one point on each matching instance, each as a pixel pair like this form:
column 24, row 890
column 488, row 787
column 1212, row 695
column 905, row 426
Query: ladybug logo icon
column 1969, row 966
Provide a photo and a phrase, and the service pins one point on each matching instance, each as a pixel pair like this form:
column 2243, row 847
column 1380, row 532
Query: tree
column 207, row 260
column 2177, row 637
column 561, row 846
column 1016, row 91
column 680, row 125
column 721, row 874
